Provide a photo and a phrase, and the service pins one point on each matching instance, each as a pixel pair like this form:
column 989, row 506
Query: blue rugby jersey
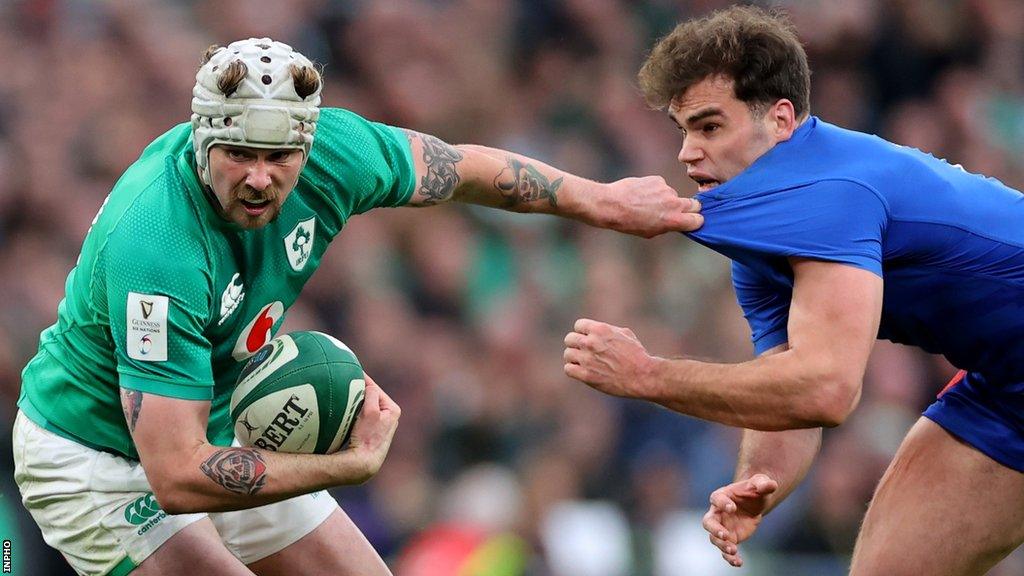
column 948, row 244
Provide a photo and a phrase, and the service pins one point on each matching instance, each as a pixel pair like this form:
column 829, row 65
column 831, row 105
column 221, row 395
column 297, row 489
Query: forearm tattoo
column 131, row 404
column 520, row 182
column 238, row 470
column 439, row 183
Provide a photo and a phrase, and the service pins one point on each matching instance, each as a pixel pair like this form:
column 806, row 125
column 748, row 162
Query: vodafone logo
column 258, row 331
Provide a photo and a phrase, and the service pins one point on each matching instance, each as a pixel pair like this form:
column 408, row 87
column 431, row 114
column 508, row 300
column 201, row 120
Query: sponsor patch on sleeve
column 147, row 327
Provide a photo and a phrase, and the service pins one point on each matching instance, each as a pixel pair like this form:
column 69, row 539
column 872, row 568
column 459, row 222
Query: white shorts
column 98, row 510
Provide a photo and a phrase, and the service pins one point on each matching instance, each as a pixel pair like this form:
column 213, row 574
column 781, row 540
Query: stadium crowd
column 502, row 465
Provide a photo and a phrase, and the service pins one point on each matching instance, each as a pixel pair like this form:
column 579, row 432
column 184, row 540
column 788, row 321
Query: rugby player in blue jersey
column 837, row 238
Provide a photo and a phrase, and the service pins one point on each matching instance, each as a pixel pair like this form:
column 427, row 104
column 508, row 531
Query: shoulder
column 151, row 220
column 339, row 128
column 832, row 219
column 359, row 164
column 161, row 214
column 790, row 207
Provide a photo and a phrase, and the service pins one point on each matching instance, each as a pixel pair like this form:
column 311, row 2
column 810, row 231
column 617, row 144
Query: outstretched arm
column 188, row 474
column 499, row 179
column 833, row 322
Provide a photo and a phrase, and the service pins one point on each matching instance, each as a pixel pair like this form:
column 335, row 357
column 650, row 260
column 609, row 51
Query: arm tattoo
column 520, row 182
column 131, row 404
column 238, row 470
column 439, row 183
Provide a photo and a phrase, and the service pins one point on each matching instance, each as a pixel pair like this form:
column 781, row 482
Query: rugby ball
column 300, row 392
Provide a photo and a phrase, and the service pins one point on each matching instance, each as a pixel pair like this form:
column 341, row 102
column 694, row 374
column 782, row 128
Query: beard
column 251, row 208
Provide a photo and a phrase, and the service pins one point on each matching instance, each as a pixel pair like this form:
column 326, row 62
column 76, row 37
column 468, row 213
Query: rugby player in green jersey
column 123, row 442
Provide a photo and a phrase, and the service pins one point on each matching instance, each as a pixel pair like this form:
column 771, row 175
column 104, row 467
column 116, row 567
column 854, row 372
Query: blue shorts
column 989, row 417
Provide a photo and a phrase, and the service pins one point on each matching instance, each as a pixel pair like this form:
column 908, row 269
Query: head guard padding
column 263, row 111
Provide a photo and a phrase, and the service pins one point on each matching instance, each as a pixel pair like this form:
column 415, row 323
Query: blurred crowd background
column 503, row 466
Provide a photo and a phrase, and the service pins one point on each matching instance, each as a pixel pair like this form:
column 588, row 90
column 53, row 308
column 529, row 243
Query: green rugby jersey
column 170, row 299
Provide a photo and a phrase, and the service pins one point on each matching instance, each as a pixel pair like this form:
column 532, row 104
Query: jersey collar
column 736, row 186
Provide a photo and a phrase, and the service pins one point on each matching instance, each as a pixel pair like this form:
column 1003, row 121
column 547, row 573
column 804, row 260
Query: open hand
column 735, row 512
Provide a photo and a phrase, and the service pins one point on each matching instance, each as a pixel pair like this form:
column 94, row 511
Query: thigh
column 336, row 547
column 942, row 508
column 308, row 532
column 196, row 549
column 95, row 508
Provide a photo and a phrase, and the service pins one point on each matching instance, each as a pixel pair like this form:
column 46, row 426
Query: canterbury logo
column 147, row 308
column 231, row 298
column 141, row 510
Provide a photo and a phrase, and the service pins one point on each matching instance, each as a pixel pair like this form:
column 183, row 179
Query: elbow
column 176, row 502
column 836, row 399
column 172, row 495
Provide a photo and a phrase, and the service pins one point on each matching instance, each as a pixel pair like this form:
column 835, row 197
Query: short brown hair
column 757, row 49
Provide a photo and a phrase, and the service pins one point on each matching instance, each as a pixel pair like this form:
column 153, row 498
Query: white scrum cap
column 264, row 111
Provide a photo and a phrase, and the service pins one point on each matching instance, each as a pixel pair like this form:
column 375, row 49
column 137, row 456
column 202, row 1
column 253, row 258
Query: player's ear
column 782, row 119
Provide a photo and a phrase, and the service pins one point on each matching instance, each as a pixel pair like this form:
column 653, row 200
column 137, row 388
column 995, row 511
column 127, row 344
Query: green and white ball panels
column 300, row 392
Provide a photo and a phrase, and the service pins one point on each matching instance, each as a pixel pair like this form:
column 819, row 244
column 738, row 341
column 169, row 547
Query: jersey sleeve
column 833, row 220
column 359, row 164
column 158, row 299
column 765, row 306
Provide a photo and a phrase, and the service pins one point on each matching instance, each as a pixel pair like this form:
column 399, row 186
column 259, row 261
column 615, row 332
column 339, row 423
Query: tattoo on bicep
column 238, row 470
column 131, row 404
column 439, row 183
column 520, row 182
